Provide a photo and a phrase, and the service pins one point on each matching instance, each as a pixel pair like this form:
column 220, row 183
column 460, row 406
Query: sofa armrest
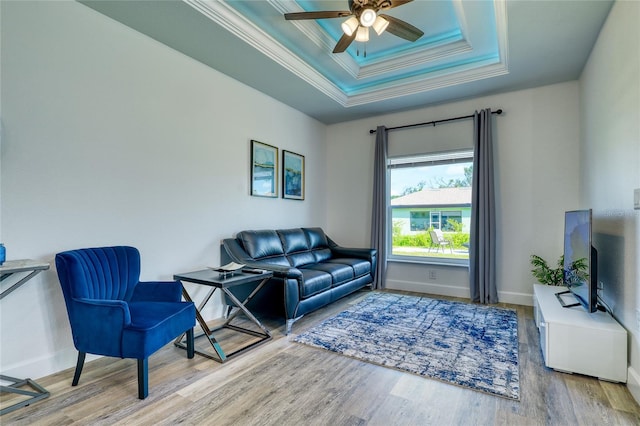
column 361, row 253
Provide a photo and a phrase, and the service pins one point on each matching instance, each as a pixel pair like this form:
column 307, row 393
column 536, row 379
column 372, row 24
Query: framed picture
column 264, row 170
column 292, row 175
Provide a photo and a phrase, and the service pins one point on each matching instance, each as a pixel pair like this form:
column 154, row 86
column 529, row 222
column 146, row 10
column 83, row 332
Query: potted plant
column 554, row 276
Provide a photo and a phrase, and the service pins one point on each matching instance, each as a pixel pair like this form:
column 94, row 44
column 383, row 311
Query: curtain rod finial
column 499, row 111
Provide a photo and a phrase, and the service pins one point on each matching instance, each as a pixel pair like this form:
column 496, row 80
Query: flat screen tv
column 580, row 269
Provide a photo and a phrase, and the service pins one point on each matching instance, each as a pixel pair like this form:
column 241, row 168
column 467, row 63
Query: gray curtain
column 380, row 208
column 482, row 244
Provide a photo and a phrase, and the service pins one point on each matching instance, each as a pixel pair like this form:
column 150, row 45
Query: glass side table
column 20, row 271
column 215, row 280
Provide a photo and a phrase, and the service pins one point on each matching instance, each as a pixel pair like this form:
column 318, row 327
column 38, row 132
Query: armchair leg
column 190, row 344
column 79, row 365
column 143, row 378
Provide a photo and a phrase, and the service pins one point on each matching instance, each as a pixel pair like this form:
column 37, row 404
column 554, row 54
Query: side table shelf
column 23, row 270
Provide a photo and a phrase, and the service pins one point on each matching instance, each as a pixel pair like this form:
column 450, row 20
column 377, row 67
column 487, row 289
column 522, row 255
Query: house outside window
column 431, row 192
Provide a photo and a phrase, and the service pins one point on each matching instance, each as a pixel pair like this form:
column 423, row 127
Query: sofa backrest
column 288, row 247
column 263, row 245
column 318, row 244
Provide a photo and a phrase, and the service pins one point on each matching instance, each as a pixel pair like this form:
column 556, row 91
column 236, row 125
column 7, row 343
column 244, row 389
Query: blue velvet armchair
column 113, row 314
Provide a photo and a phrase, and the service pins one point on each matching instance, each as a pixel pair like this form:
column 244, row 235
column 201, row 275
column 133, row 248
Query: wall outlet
column 432, row 274
column 636, row 199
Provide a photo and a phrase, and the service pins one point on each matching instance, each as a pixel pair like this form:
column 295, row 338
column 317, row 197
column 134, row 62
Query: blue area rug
column 469, row 345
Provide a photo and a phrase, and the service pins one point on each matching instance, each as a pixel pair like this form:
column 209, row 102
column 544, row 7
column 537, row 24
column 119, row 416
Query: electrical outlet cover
column 636, row 199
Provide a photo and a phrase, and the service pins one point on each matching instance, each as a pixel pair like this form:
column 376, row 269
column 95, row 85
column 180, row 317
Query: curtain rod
column 499, row 111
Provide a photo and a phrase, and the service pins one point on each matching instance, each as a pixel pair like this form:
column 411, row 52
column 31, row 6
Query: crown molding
column 230, row 19
column 439, row 51
column 314, row 32
column 413, row 86
column 225, row 16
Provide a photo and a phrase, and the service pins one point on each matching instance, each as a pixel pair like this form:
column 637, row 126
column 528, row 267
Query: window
column 431, row 192
column 419, row 221
column 448, row 219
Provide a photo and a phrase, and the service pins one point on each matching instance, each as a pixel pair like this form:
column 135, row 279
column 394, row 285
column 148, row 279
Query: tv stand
column 576, row 341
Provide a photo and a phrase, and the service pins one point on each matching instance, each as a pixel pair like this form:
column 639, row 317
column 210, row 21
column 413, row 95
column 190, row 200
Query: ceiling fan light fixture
column 380, row 25
column 363, row 34
column 350, row 25
column 368, row 17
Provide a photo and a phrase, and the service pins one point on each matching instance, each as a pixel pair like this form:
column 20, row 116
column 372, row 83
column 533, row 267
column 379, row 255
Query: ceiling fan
column 364, row 14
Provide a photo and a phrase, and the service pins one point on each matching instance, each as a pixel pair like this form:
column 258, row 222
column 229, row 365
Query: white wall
column 610, row 135
column 112, row 138
column 537, row 170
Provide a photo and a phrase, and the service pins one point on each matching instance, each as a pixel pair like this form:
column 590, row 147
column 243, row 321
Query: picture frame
column 293, row 180
column 264, row 170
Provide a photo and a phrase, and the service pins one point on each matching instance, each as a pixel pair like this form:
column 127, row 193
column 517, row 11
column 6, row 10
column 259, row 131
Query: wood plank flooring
column 284, row 383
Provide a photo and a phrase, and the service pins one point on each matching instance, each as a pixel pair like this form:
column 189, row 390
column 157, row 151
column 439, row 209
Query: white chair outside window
column 439, row 241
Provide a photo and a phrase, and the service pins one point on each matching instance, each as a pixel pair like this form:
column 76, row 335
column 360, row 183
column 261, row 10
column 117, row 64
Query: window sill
column 458, row 263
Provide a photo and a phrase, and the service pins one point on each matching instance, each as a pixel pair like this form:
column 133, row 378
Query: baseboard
column 633, row 383
column 524, row 299
column 428, row 288
column 36, row 368
column 457, row 291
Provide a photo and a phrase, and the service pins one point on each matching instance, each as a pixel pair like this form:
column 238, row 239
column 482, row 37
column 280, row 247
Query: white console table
column 575, row 341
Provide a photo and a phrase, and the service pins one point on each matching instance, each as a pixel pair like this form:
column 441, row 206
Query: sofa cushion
column 296, row 247
column 293, row 240
column 314, row 282
column 261, row 244
column 316, row 238
column 360, row 266
column 318, row 244
column 298, row 260
column 340, row 273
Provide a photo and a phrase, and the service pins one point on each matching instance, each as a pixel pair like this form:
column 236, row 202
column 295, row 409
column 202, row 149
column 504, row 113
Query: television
column 580, row 268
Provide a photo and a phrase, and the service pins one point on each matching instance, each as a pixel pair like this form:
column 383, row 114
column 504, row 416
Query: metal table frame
column 219, row 281
column 8, row 269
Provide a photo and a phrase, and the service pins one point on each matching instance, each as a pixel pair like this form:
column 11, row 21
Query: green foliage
column 440, row 182
column 411, row 189
column 459, row 239
column 423, row 239
column 554, row 276
column 396, row 228
column 545, row 274
column 454, row 225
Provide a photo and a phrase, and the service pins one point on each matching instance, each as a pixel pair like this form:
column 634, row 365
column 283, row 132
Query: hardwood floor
column 285, row 383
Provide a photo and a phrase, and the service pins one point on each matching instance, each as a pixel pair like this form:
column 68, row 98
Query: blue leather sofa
column 310, row 270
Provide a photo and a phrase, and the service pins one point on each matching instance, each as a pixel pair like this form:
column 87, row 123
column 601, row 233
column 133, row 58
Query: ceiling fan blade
column 344, row 42
column 396, row 3
column 402, row 29
column 316, row 15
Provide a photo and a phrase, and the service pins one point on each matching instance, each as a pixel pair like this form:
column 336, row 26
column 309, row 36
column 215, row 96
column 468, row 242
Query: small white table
column 21, row 271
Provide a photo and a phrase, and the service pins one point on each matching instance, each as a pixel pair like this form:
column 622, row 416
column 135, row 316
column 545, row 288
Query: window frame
column 419, row 160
